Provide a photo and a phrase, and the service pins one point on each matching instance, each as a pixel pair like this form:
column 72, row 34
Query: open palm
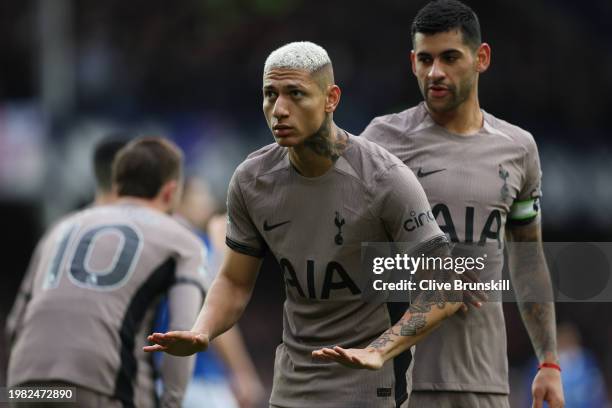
column 178, row 343
column 368, row 358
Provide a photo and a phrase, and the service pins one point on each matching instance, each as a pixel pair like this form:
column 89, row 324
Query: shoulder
column 515, row 134
column 153, row 225
column 263, row 161
column 178, row 237
column 60, row 226
column 181, row 231
column 395, row 124
column 369, row 160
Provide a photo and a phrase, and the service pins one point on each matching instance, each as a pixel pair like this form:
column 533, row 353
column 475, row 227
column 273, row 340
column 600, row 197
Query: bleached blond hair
column 302, row 55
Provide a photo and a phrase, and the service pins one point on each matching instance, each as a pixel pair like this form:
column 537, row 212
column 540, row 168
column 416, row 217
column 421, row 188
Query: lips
column 282, row 130
column 438, row 91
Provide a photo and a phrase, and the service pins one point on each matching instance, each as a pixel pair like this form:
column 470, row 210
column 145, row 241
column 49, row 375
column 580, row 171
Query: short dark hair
column 103, row 156
column 143, row 166
column 440, row 16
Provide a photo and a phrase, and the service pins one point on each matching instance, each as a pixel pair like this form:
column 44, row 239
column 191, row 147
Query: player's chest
column 487, row 176
column 315, row 232
column 323, row 218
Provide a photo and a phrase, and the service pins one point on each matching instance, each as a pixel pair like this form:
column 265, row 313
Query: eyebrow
column 445, row 52
column 289, row 87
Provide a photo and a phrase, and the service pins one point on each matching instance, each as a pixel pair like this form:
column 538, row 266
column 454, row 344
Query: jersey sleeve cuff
column 245, row 249
column 431, row 244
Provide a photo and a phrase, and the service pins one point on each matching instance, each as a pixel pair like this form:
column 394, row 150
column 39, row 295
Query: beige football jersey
column 315, row 227
column 92, row 290
column 476, row 184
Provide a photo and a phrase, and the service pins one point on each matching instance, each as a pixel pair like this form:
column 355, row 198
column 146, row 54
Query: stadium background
column 70, row 72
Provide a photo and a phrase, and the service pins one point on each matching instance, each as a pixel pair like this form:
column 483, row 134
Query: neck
column 105, row 197
column 319, row 152
column 154, row 203
column 465, row 120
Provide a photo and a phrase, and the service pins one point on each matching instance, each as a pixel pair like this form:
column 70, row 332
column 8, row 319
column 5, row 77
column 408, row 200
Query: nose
column 435, row 72
column 281, row 109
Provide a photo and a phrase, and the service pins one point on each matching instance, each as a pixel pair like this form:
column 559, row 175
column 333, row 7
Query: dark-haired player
column 102, row 160
column 94, row 287
column 311, row 199
column 482, row 177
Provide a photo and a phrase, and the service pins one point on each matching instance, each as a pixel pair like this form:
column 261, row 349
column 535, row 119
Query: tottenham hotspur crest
column 503, row 174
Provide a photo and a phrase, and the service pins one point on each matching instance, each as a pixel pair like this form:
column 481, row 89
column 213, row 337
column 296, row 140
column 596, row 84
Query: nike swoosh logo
column 271, row 227
column 422, row 173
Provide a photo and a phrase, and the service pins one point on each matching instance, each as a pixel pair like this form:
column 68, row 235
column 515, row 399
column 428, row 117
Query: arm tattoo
column 420, row 307
column 539, row 321
column 384, row 339
column 416, row 318
column 413, row 325
column 531, row 281
column 410, row 326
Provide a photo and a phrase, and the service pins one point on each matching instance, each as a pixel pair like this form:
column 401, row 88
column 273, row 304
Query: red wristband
column 549, row 365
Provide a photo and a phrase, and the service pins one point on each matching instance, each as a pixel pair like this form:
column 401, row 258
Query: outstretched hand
column 178, row 343
column 368, row 358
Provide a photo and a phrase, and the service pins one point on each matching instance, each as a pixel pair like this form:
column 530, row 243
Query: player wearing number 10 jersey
column 95, row 283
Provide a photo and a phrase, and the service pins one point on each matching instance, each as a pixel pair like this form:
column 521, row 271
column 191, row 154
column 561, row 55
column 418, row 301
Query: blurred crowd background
column 72, row 72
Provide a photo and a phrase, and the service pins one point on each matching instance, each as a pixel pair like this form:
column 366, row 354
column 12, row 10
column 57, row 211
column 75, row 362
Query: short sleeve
column 403, row 206
column 242, row 235
column 532, row 187
column 526, row 207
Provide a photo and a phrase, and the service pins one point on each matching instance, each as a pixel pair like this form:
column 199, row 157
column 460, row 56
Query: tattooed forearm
column 428, row 309
column 539, row 319
column 420, row 307
column 426, row 299
column 326, row 144
column 410, row 325
column 384, row 339
column 413, row 325
column 533, row 287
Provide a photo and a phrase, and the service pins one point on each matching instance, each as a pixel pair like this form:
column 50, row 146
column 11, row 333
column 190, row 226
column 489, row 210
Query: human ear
column 483, row 57
column 332, row 98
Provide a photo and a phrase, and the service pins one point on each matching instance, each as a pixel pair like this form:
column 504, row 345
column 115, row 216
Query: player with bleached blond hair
column 311, row 199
